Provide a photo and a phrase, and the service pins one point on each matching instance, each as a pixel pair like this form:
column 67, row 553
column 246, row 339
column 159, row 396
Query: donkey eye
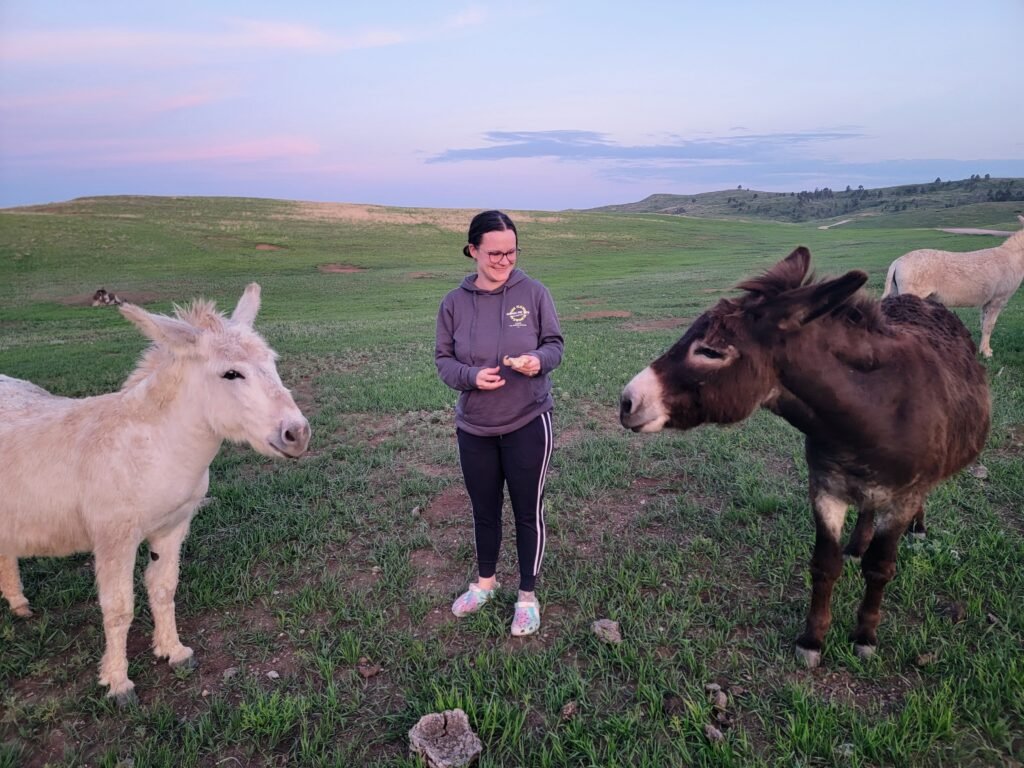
column 232, row 375
column 714, row 354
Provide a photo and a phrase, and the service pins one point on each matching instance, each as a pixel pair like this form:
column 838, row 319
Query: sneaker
column 527, row 619
column 471, row 600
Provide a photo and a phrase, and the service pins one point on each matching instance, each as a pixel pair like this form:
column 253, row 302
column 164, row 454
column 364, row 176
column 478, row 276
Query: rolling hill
column 982, row 200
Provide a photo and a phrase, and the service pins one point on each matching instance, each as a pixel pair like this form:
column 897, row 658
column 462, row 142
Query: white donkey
column 985, row 278
column 101, row 474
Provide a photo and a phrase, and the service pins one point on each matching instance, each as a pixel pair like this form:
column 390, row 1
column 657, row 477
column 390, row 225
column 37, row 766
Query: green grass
column 696, row 543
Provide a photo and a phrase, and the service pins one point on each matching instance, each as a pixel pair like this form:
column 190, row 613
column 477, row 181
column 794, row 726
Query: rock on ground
column 445, row 740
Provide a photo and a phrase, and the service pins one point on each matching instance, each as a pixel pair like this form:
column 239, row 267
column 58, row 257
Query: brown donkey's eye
column 714, row 354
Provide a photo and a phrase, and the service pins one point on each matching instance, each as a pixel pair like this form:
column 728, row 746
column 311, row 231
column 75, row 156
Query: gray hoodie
column 476, row 329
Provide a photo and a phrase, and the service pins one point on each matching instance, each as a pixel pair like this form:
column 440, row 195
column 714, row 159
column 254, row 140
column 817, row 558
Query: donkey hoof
column 125, row 699
column 23, row 612
column 810, row 658
column 186, row 664
column 863, row 651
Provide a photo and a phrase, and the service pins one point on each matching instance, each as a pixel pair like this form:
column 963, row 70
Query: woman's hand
column 489, row 378
column 528, row 364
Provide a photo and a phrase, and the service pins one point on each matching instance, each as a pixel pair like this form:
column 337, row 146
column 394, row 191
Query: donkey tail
column 889, row 281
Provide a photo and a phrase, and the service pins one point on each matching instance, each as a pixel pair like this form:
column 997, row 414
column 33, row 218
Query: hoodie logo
column 517, row 315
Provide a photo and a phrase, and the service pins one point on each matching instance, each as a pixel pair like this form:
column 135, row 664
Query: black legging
column 521, row 460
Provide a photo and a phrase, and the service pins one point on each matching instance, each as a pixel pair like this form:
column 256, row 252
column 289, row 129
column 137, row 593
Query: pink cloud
column 103, row 153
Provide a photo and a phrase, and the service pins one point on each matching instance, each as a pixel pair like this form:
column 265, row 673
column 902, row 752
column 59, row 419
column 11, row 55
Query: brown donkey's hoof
column 23, row 612
column 810, row 658
column 863, row 651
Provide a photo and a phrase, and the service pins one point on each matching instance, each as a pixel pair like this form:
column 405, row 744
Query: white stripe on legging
column 541, row 529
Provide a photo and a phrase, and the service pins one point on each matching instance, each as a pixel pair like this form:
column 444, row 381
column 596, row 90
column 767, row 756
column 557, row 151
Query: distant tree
column 848, row 188
column 987, row 177
column 938, row 180
column 739, row 186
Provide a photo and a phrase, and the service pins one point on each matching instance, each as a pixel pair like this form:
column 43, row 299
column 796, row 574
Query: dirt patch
column 452, row 220
column 973, row 231
column 269, row 247
column 422, row 275
column 340, row 268
column 658, row 325
column 434, row 573
column 600, row 314
column 451, row 505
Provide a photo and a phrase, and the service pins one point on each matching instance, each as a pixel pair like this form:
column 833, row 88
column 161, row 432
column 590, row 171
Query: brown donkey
column 889, row 396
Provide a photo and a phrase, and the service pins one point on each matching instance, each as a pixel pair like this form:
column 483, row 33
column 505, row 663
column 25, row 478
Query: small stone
column 719, row 700
column 368, row 669
column 607, row 630
column 375, row 569
column 845, row 751
column 714, row 735
column 273, row 675
column 228, row 673
column 569, row 710
column 712, row 688
column 980, row 471
column 415, row 511
column 991, row 618
column 737, row 690
column 925, row 659
column 205, row 693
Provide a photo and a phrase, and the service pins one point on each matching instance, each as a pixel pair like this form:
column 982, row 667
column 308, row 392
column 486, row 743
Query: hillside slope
column 825, row 204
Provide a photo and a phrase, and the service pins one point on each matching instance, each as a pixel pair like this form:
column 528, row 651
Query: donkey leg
column 861, row 535
column 826, row 565
column 10, row 587
column 114, row 568
column 878, row 567
column 917, row 529
column 989, row 315
column 161, row 584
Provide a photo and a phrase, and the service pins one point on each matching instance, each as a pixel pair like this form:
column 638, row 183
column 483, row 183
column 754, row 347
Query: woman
column 498, row 340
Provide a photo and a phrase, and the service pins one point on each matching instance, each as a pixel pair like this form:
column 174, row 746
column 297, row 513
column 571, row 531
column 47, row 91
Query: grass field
column 337, row 571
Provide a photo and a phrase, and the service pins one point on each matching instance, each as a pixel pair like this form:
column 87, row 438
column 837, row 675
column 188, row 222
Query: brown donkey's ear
column 784, row 276
column 813, row 301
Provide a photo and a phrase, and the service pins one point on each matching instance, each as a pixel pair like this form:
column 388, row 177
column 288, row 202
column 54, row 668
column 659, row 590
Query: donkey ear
column 160, row 329
column 248, row 305
column 817, row 300
column 784, row 276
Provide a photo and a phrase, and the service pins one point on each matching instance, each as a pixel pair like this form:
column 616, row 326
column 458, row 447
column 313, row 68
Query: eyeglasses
column 495, row 257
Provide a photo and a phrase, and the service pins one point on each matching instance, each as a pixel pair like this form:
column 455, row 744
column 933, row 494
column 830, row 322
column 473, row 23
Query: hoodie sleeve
column 551, row 345
column 454, row 373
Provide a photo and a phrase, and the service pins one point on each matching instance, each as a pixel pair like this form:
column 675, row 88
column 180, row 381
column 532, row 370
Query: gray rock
column 445, row 740
column 607, row 630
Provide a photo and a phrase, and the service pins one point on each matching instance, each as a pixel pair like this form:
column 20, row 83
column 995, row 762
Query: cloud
column 101, row 153
column 105, row 43
column 583, row 146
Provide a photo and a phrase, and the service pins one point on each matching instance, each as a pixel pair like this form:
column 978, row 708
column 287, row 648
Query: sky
column 523, row 104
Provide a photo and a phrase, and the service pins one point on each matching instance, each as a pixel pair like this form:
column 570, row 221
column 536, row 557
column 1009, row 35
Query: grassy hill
column 987, row 199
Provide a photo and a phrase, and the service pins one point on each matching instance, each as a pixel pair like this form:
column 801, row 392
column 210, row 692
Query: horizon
column 526, row 105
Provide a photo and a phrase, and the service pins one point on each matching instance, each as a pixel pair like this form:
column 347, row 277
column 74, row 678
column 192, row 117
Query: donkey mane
column 201, row 314
column 859, row 310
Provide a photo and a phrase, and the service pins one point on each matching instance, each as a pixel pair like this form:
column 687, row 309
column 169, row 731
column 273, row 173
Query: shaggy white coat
column 985, row 278
column 101, row 474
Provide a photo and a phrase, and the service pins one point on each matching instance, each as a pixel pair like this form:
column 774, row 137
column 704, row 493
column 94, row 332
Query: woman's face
column 495, row 258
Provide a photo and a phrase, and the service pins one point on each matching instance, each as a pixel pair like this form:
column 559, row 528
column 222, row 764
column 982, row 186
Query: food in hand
column 517, row 363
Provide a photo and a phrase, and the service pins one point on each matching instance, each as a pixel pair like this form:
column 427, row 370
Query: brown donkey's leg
column 862, row 533
column 826, row 565
column 878, row 567
column 917, row 529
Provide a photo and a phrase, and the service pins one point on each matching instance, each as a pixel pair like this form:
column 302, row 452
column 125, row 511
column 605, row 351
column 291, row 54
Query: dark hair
column 482, row 223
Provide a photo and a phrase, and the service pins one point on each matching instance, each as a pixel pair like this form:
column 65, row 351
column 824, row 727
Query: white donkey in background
column 101, row 474
column 985, row 278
